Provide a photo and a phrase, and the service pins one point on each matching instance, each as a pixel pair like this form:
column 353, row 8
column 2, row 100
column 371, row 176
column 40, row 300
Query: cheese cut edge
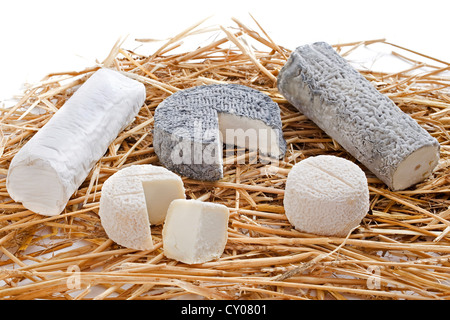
column 124, row 211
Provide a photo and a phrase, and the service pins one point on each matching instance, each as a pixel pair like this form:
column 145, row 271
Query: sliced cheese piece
column 195, row 231
column 330, row 92
column 326, row 195
column 51, row 166
column 135, row 197
column 191, row 125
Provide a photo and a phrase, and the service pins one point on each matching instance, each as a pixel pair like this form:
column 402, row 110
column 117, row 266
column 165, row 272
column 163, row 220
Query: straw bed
column 401, row 250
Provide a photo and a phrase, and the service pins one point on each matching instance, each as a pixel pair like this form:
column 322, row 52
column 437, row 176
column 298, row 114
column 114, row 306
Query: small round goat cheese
column 326, row 195
column 134, row 198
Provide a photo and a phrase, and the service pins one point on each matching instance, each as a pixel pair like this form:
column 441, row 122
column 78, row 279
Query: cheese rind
column 195, row 231
column 51, row 166
column 330, row 92
column 326, row 195
column 191, row 125
column 133, row 199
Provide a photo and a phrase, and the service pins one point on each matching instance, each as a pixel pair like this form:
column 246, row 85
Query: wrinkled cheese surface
column 328, row 90
column 192, row 124
column 326, row 195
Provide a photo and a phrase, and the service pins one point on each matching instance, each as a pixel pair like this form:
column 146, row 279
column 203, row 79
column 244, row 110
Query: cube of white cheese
column 195, row 231
column 133, row 199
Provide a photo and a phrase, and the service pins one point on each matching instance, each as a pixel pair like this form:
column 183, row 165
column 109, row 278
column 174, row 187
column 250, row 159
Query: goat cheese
column 195, row 231
column 51, row 166
column 326, row 195
column 330, row 92
column 134, row 198
column 192, row 124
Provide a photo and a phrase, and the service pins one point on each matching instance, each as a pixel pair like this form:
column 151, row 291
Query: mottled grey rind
column 330, row 92
column 177, row 116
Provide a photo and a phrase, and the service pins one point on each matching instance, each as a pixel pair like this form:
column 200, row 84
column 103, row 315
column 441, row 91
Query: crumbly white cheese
column 195, row 231
column 330, row 92
column 133, row 199
column 52, row 165
column 192, row 124
column 326, row 195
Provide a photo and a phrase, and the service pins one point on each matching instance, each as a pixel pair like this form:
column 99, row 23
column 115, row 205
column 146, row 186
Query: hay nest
column 401, row 250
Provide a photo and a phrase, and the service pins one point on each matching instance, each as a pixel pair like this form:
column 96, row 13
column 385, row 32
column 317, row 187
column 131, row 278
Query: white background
column 39, row 37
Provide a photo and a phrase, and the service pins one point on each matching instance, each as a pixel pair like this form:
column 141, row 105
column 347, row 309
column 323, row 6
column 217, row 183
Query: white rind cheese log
column 195, row 231
column 51, row 166
column 326, row 195
column 133, row 199
column 330, row 92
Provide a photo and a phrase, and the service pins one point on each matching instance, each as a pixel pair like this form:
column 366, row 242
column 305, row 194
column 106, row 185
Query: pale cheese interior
column 159, row 193
column 415, row 168
column 249, row 133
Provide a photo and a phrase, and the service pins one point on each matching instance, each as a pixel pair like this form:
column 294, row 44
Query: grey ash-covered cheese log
column 192, row 125
column 329, row 91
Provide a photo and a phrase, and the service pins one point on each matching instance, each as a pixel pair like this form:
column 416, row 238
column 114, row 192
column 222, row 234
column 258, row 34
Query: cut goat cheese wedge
column 330, row 92
column 326, row 195
column 191, row 126
column 134, row 198
column 195, row 231
column 50, row 167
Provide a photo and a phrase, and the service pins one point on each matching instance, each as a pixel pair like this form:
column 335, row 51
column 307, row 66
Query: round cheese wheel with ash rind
column 192, row 124
column 326, row 195
column 134, row 198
